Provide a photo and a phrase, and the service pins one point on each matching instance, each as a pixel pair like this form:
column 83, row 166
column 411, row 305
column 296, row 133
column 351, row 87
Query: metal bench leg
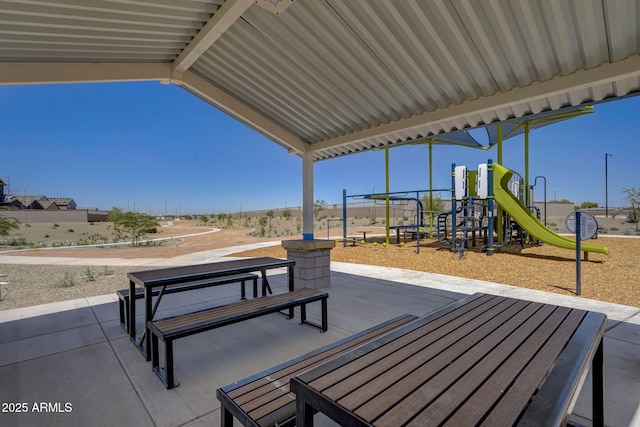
column 168, row 363
column 304, row 414
column 598, row 386
column 123, row 312
column 325, row 323
column 303, row 316
column 226, row 419
column 155, row 359
column 242, row 293
column 255, row 287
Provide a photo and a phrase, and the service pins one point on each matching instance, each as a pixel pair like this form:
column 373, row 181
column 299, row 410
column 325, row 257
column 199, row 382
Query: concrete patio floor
column 71, row 363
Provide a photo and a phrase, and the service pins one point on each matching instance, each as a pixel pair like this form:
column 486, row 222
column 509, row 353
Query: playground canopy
column 329, row 78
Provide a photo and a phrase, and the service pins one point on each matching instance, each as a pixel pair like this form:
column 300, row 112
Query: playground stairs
column 469, row 225
column 464, row 226
column 442, row 222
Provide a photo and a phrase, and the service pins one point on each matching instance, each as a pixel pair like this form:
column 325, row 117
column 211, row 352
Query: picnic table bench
column 485, row 360
column 264, row 399
column 152, row 280
column 172, row 328
column 351, row 239
column 123, row 294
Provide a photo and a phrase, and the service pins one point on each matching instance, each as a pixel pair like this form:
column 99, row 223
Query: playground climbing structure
column 473, row 217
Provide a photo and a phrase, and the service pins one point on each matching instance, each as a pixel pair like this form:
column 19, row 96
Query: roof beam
column 80, row 72
column 241, row 111
column 221, row 21
column 604, row 74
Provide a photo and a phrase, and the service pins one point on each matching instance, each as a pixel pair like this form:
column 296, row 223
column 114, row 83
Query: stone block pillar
column 312, row 257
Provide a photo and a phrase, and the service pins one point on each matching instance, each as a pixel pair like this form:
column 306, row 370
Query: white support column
column 307, row 196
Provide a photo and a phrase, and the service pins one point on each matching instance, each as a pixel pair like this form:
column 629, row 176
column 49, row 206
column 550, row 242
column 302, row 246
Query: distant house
column 64, row 202
column 39, row 202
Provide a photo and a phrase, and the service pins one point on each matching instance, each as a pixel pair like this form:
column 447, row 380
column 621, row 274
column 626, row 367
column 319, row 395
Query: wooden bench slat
column 123, row 294
column 264, row 398
column 175, row 325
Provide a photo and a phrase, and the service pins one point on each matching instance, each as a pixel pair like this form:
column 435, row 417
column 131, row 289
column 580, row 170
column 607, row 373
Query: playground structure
column 487, row 208
column 492, row 204
column 418, row 228
column 476, row 196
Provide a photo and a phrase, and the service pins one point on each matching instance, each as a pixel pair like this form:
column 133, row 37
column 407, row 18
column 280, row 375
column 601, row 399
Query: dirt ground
column 611, row 278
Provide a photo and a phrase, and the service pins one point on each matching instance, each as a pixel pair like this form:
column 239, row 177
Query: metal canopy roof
column 333, row 77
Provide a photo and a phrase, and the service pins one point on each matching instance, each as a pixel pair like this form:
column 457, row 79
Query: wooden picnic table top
column 477, row 362
column 163, row 276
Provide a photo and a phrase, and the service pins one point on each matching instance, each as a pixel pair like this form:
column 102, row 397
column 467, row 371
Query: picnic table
column 160, row 278
column 485, row 360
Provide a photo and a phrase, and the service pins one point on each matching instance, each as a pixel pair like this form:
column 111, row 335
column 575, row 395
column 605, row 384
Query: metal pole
column 307, row 196
column 535, row 182
column 431, row 190
column 527, row 201
column 386, row 178
column 578, row 255
column 344, row 218
column 490, row 248
column 606, row 184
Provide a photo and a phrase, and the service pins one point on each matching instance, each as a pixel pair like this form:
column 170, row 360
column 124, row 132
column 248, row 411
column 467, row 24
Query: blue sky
column 156, row 149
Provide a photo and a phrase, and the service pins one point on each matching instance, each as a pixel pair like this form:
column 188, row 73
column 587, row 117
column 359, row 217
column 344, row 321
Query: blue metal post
column 453, row 208
column 578, row 255
column 344, row 218
column 490, row 248
column 418, row 222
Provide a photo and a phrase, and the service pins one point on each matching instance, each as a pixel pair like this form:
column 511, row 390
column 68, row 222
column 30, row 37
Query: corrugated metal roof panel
column 349, row 75
column 75, row 30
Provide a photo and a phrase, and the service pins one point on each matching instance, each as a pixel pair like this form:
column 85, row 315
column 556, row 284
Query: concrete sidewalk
column 70, row 363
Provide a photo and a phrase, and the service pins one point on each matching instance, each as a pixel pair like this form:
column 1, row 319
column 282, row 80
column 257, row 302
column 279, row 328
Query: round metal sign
column 588, row 225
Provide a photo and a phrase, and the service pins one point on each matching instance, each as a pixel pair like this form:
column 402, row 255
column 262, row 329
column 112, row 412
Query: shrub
column 66, row 281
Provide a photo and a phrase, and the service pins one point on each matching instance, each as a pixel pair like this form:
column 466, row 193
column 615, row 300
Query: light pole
column 535, row 182
column 606, row 184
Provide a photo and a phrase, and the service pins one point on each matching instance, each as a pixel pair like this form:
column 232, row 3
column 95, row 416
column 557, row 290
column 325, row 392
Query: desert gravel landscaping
column 613, row 278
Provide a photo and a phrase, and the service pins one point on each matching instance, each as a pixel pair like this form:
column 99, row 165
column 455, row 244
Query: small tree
column 319, row 206
column 115, row 216
column 270, row 216
column 432, row 204
column 8, row 224
column 586, row 205
column 633, row 196
column 138, row 225
column 204, row 219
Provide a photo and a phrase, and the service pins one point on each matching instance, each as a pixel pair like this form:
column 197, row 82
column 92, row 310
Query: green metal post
column 386, row 165
column 526, row 163
column 500, row 219
column 431, row 190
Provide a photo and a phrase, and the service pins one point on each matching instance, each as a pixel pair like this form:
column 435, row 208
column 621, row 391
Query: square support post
column 313, row 259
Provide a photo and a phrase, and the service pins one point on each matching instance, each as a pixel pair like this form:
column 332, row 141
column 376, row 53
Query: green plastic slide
column 520, row 214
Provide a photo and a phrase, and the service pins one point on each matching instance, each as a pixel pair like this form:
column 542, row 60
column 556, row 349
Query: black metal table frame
column 552, row 401
column 160, row 278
